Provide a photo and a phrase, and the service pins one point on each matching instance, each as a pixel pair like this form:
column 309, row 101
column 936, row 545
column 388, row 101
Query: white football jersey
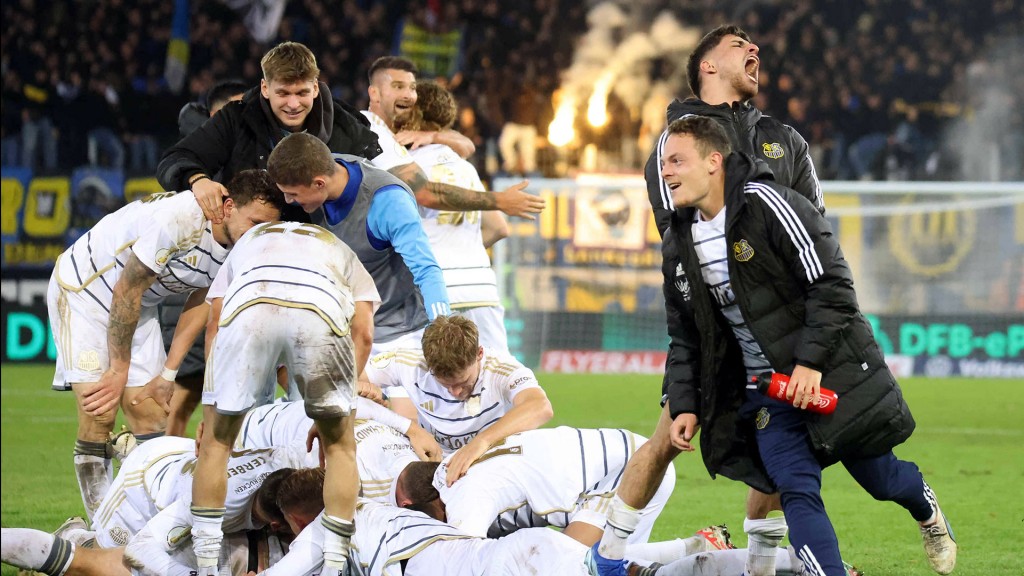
column 159, row 472
column 551, row 470
column 385, row 536
column 382, row 451
column 166, row 231
column 453, row 422
column 455, row 236
column 164, row 546
column 394, row 154
column 294, row 265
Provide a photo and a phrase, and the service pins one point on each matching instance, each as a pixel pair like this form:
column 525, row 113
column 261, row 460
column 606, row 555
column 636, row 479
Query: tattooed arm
column 514, row 201
column 125, row 305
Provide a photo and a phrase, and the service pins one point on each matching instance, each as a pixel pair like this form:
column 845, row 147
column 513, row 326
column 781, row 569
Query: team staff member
column 754, row 275
column 722, row 72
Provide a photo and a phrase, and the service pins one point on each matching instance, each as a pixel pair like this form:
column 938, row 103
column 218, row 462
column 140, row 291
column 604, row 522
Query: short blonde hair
column 289, row 62
column 450, row 345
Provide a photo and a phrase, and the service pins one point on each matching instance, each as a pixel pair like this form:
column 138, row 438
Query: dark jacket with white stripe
column 773, row 143
column 795, row 292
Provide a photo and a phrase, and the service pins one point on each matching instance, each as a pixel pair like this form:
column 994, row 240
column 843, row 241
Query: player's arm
column 531, row 409
column 493, row 227
column 414, row 139
column 362, row 333
column 805, row 240
column 195, row 159
column 125, row 307
column 149, row 552
column 805, row 177
column 514, row 201
column 394, row 219
column 212, row 324
column 682, row 367
column 190, row 324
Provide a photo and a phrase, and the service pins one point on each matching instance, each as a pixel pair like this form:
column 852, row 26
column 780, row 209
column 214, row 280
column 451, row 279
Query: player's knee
column 145, row 418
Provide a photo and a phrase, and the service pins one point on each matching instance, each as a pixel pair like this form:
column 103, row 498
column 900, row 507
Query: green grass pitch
column 969, row 443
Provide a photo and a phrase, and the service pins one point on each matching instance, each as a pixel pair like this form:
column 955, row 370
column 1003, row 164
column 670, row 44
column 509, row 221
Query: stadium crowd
column 875, row 86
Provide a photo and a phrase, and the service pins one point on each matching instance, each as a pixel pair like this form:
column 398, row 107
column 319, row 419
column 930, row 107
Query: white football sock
column 337, row 537
column 95, row 473
column 622, row 521
column 36, row 550
column 763, row 538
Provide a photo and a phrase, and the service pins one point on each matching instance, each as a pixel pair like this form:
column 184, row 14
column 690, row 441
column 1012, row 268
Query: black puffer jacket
column 242, row 134
column 776, row 144
column 795, row 291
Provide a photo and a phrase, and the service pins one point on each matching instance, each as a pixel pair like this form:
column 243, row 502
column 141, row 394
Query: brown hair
column 266, row 494
column 708, row 134
column 707, row 44
column 251, row 185
column 289, row 62
column 302, row 492
column 298, row 158
column 450, row 344
column 437, row 106
column 391, row 63
column 417, row 480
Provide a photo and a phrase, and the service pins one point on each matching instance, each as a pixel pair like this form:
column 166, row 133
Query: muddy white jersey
column 164, row 546
column 453, row 422
column 294, row 265
column 384, row 538
column 382, row 449
column 394, row 154
column 167, row 232
column 455, row 236
column 551, row 470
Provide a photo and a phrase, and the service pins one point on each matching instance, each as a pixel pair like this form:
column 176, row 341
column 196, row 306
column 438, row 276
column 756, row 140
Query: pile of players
column 410, row 444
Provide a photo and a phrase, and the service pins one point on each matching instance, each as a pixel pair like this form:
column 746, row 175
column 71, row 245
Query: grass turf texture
column 969, row 443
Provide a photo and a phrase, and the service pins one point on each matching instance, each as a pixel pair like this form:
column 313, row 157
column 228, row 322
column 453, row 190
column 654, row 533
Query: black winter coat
column 242, row 134
column 770, row 141
column 795, row 291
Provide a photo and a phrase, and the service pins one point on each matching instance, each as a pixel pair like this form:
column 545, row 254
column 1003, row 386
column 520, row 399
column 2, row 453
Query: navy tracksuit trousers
column 785, row 447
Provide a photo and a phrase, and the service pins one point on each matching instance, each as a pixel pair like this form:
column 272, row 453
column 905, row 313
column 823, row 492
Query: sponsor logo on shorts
column 119, row 535
column 761, row 420
column 88, row 361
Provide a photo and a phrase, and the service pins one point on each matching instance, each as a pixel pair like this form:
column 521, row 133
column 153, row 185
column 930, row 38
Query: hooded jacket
column 777, row 145
column 242, row 134
column 795, row 292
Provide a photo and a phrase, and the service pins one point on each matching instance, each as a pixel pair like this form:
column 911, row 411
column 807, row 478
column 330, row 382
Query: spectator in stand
column 37, row 131
column 518, row 140
column 10, row 129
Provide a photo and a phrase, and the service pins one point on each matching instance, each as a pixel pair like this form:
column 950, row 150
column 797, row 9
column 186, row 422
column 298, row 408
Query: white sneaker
column 940, row 544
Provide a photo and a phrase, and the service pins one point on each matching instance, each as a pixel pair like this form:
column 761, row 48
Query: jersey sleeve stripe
column 794, row 227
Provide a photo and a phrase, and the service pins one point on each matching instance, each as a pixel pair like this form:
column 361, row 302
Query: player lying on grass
column 565, row 475
column 399, row 542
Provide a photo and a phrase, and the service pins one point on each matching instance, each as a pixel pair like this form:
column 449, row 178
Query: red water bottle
column 774, row 385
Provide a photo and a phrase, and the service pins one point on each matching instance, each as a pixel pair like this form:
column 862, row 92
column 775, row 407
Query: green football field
column 969, row 443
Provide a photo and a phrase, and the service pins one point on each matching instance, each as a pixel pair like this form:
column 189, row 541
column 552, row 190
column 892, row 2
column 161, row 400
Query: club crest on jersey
column 119, row 535
column 473, row 405
column 761, row 420
column 772, row 150
column 682, row 284
column 743, row 250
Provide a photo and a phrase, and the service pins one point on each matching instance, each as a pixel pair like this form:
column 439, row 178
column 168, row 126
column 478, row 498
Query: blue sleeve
column 394, row 219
